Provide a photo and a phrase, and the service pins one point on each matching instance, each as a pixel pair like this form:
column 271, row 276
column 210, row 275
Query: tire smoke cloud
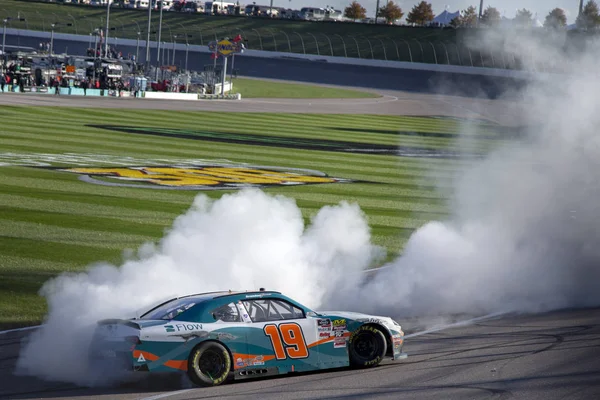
column 523, row 234
column 524, row 230
column 242, row 241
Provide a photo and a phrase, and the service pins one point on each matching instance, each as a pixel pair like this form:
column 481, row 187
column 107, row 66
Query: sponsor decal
column 201, row 177
column 258, row 360
column 255, row 296
column 239, row 362
column 339, row 324
column 141, row 358
column 324, row 323
column 289, row 142
column 339, row 342
column 183, row 327
column 324, row 334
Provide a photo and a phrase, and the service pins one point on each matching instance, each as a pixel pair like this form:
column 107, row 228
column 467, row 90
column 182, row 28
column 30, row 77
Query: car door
column 282, row 335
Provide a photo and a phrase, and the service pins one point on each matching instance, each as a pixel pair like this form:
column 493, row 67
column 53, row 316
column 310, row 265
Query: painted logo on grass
column 205, row 177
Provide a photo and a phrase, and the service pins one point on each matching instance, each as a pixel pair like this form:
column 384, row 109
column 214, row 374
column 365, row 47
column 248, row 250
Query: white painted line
column 20, row 329
column 456, row 324
column 164, row 395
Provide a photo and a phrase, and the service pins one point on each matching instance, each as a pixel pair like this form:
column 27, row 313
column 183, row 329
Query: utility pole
column 159, row 2
column 4, row 35
column 480, row 9
column 580, row 6
column 108, row 3
column 376, row 11
column 148, row 38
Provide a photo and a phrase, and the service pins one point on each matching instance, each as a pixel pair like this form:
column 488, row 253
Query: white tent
column 445, row 18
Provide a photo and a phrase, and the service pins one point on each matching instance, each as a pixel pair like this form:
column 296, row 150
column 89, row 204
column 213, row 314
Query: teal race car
column 240, row 335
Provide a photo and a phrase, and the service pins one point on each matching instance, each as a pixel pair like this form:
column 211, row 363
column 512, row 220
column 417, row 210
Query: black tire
column 367, row 347
column 209, row 364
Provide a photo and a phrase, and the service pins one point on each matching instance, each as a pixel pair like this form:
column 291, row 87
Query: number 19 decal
column 287, row 340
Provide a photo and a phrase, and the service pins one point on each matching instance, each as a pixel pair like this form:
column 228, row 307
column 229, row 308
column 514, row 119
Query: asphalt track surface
column 547, row 356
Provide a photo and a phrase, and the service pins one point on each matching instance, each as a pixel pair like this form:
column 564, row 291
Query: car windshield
column 171, row 309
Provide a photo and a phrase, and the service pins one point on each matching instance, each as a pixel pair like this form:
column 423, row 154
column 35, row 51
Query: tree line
column 422, row 15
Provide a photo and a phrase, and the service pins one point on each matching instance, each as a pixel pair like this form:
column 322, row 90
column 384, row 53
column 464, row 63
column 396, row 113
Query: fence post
column 301, row 41
column 43, row 21
column 395, row 44
column 316, row 43
column 409, row 50
column 357, row 48
column 434, row 52
column 384, row 52
column 481, row 57
column 74, row 22
column 422, row 52
column 288, row 39
column 344, row 44
column 371, row 47
column 259, row 39
column 330, row 45
column 447, row 55
column 201, row 38
column 274, row 40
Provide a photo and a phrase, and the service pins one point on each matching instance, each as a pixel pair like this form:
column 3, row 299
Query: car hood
column 363, row 317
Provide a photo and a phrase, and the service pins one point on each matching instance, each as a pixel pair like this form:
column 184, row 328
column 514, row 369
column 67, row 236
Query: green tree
column 491, row 16
column 390, row 12
column 469, row 17
column 556, row 19
column 421, row 14
column 524, row 18
column 355, row 11
column 589, row 18
column 466, row 19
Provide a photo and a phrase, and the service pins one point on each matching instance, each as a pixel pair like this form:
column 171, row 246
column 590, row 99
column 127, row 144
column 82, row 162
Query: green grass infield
column 52, row 221
column 257, row 88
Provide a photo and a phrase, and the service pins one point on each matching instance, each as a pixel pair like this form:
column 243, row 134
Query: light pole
column 174, row 40
column 480, row 9
column 159, row 35
column 137, row 48
column 148, row 38
column 187, row 47
column 108, row 3
column 52, row 38
column 5, row 20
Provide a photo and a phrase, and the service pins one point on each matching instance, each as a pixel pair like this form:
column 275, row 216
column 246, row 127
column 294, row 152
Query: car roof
column 225, row 293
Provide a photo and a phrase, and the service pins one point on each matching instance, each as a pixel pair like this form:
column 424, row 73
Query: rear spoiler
column 125, row 322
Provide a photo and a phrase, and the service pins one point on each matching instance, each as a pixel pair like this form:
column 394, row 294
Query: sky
column 506, row 7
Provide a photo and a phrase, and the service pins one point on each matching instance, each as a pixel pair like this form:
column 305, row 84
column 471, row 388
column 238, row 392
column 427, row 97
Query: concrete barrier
column 170, row 96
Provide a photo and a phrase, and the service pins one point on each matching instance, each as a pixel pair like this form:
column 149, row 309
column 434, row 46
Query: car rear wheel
column 366, row 346
column 209, row 364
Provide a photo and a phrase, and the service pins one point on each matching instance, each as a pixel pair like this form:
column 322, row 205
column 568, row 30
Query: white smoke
column 524, row 234
column 242, row 241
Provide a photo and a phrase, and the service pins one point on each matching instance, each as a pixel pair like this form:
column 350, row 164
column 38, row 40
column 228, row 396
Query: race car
column 221, row 335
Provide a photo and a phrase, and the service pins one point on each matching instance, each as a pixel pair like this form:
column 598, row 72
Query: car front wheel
column 209, row 364
column 366, row 346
